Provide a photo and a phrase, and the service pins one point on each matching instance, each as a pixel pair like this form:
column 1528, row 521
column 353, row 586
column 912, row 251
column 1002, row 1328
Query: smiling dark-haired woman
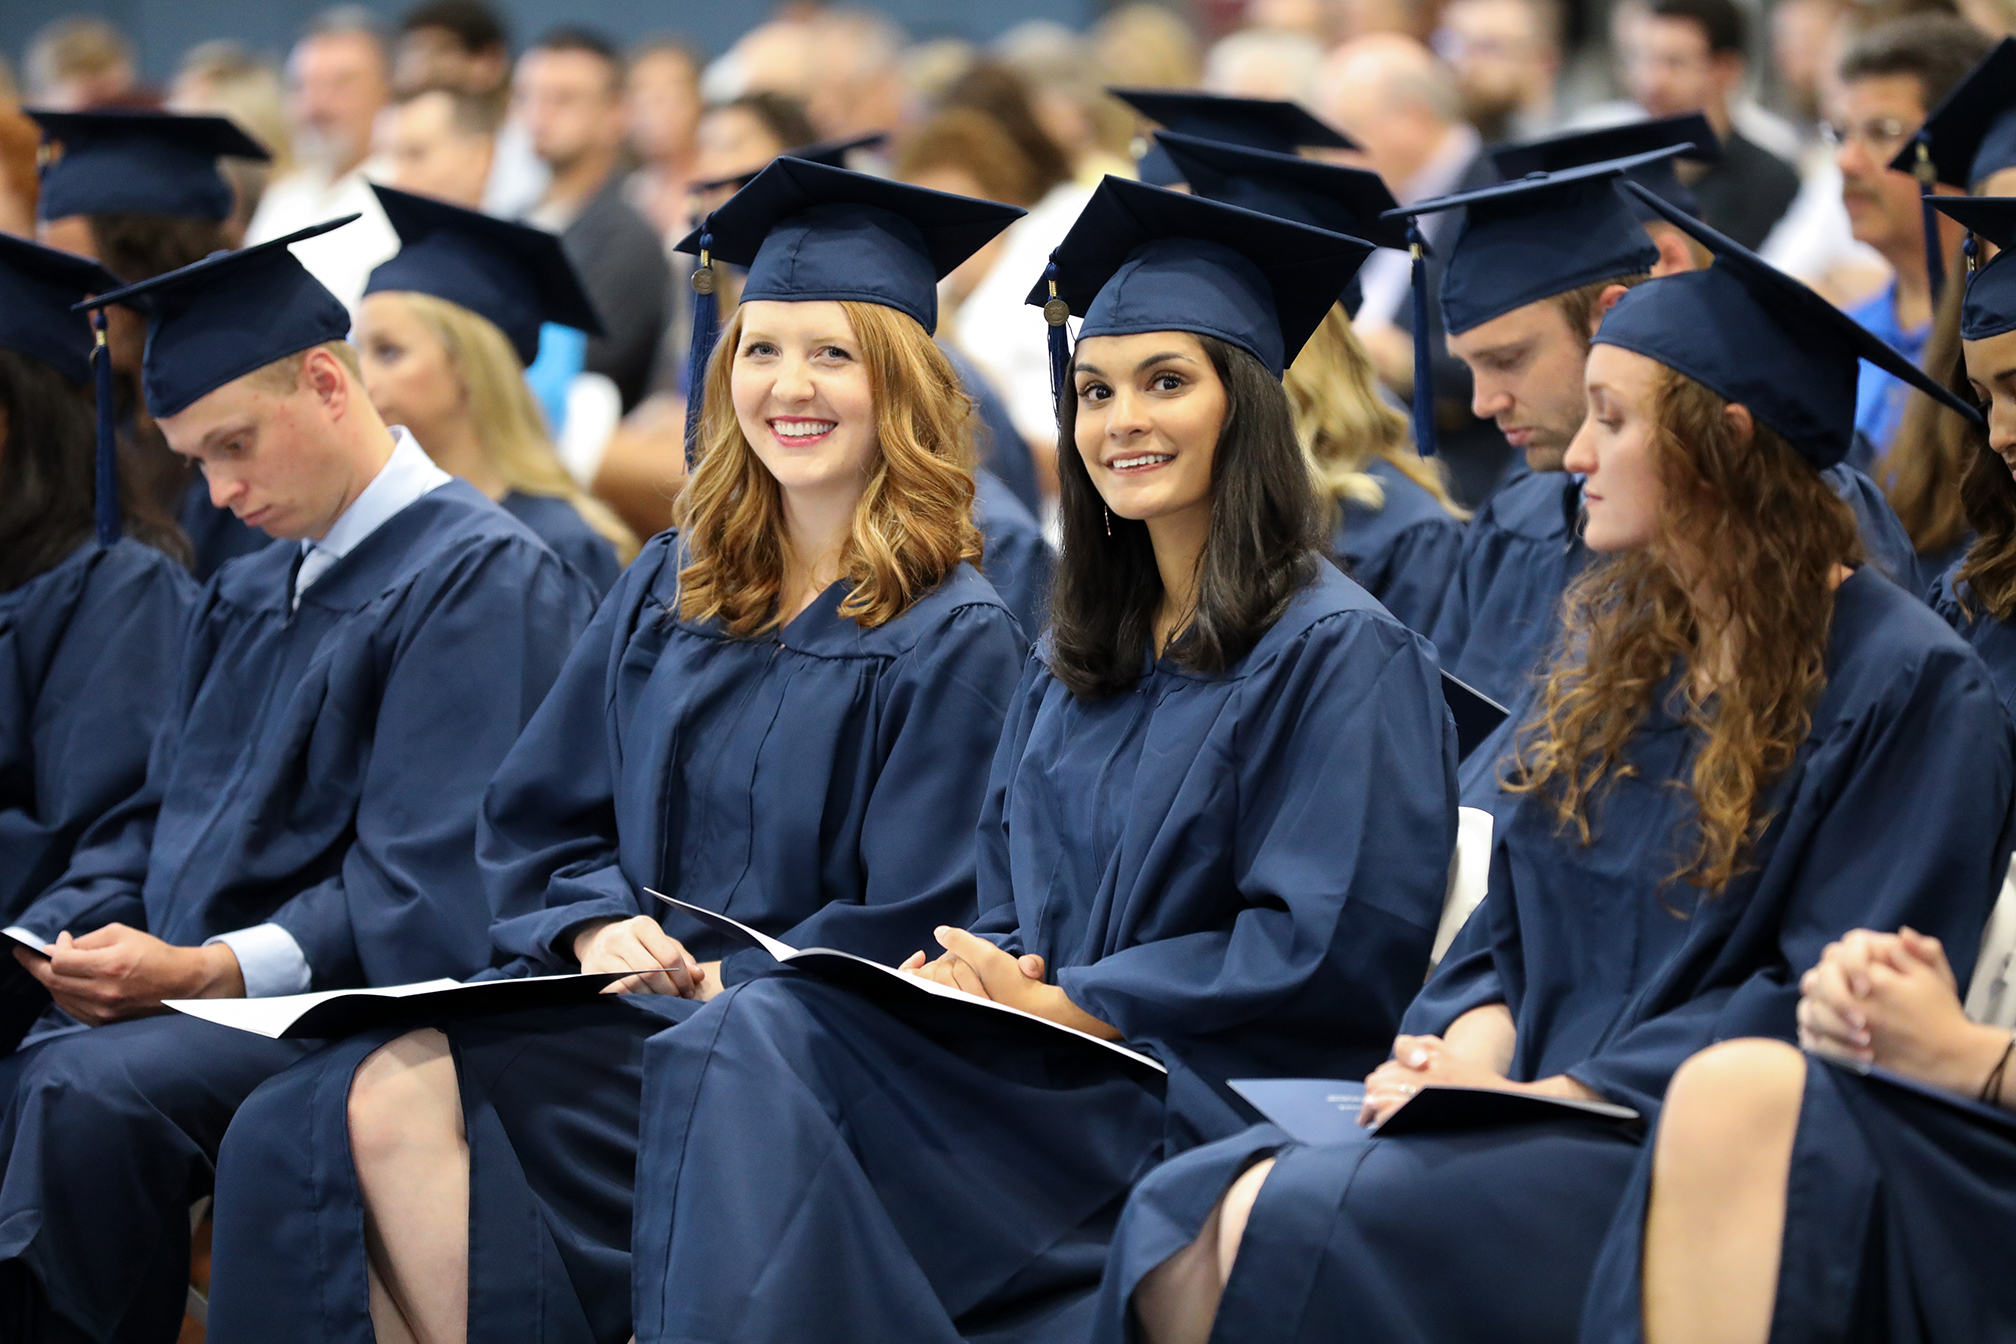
column 1745, row 746
column 89, row 619
column 1218, row 830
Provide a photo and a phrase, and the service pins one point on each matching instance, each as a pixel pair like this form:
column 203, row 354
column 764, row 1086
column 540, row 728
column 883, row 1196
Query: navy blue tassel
column 1056, row 312
column 110, row 519
column 1424, row 368
column 706, row 323
column 1928, row 183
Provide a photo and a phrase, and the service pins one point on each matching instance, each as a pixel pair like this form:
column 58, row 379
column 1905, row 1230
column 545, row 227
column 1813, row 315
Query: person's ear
column 1675, row 256
column 1604, row 303
column 329, row 380
column 1737, row 416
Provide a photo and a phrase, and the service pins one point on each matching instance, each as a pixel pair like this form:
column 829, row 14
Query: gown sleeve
column 100, row 701
column 1346, row 797
column 942, row 708
column 999, row 921
column 406, row 903
column 1906, row 820
column 547, row 842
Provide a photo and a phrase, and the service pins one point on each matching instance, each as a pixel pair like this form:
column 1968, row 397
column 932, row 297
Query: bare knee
column 1235, row 1210
column 404, row 1096
column 1732, row 1103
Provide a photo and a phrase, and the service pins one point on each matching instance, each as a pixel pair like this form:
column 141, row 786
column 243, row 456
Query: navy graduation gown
column 215, row 535
column 1016, row 560
column 1614, row 978
column 1241, row 872
column 321, row 771
column 87, row 674
column 560, row 525
column 820, row 784
column 1900, row 1201
column 1405, row 552
column 1993, row 639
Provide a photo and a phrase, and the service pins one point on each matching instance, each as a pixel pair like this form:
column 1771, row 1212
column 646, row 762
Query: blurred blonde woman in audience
column 1394, row 527
column 453, row 379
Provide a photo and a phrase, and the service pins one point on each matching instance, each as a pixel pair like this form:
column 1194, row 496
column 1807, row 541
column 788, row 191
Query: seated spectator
column 78, row 62
column 336, row 86
column 1506, row 56
column 227, row 79
column 1689, row 56
column 661, row 95
column 569, row 95
column 441, row 143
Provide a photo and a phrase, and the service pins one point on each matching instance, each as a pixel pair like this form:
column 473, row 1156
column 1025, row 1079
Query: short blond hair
column 283, row 376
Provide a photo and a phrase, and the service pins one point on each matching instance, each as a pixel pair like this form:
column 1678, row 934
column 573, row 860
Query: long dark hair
column 48, row 475
column 1987, row 573
column 1264, row 544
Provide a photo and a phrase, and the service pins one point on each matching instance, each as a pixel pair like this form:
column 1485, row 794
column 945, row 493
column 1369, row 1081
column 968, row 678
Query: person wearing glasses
column 1890, row 78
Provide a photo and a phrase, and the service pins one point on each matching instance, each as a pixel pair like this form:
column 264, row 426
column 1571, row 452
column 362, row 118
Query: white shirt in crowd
column 341, row 259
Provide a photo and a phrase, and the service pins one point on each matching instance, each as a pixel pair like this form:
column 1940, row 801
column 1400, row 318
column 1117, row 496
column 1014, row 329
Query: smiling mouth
column 799, row 433
column 1139, row 462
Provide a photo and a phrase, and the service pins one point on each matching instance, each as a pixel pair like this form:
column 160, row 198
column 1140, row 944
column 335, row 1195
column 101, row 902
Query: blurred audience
column 1264, row 63
column 860, row 86
column 1391, row 95
column 661, row 100
column 228, row 78
column 1506, row 57
column 1689, row 56
column 736, row 138
column 81, row 62
column 1067, row 95
column 568, row 94
column 463, row 45
column 440, row 142
column 1146, row 46
column 338, row 81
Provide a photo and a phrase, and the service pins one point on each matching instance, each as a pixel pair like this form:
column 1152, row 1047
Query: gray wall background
column 164, row 29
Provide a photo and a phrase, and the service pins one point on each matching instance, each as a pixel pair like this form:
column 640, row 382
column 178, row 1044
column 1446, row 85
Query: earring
column 1109, row 519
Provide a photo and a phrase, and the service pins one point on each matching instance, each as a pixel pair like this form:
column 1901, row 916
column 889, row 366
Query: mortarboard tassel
column 110, row 518
column 706, row 322
column 1927, row 174
column 1056, row 312
column 1424, row 368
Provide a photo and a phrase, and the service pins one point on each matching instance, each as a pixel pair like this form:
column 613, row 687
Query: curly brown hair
column 912, row 527
column 1764, row 535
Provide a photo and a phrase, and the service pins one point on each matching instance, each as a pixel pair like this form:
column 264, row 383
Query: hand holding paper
column 115, row 973
column 1015, row 981
column 639, row 944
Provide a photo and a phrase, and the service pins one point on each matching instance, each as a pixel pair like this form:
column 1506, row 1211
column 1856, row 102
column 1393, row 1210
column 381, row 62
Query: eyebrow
column 1504, row 348
column 1147, row 363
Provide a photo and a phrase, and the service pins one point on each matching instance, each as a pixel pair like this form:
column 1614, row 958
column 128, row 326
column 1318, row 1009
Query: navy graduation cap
column 1350, row 201
column 1255, row 123
column 1523, row 241
column 1689, row 133
column 40, row 289
column 1754, row 335
column 1143, row 258
column 832, row 153
column 1989, row 308
column 515, row 275
column 1971, row 134
column 808, row 231
column 143, row 162
column 224, row 316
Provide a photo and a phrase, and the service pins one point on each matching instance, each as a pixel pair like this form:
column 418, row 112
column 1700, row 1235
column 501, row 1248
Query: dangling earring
column 1109, row 519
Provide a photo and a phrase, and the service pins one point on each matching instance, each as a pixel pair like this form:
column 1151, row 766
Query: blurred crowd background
column 604, row 129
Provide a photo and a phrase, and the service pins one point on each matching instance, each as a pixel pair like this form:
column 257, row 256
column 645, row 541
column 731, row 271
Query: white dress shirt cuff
column 269, row 959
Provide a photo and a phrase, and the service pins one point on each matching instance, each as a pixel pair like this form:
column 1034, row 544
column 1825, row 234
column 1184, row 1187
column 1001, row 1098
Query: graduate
column 785, row 712
column 308, row 819
column 1217, row 830
column 1748, row 745
column 91, row 599
column 141, row 193
column 1396, row 530
column 446, row 329
column 1904, row 1187
column 1536, row 265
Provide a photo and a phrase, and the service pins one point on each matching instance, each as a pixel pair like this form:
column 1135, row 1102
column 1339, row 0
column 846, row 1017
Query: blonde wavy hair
column 912, row 527
column 1344, row 424
column 508, row 421
column 1763, row 533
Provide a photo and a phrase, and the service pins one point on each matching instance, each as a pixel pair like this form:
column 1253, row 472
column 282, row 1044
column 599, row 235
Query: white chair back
column 1991, row 995
column 1469, row 872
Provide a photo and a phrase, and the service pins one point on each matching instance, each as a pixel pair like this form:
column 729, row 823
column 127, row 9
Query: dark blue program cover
column 1324, row 1110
